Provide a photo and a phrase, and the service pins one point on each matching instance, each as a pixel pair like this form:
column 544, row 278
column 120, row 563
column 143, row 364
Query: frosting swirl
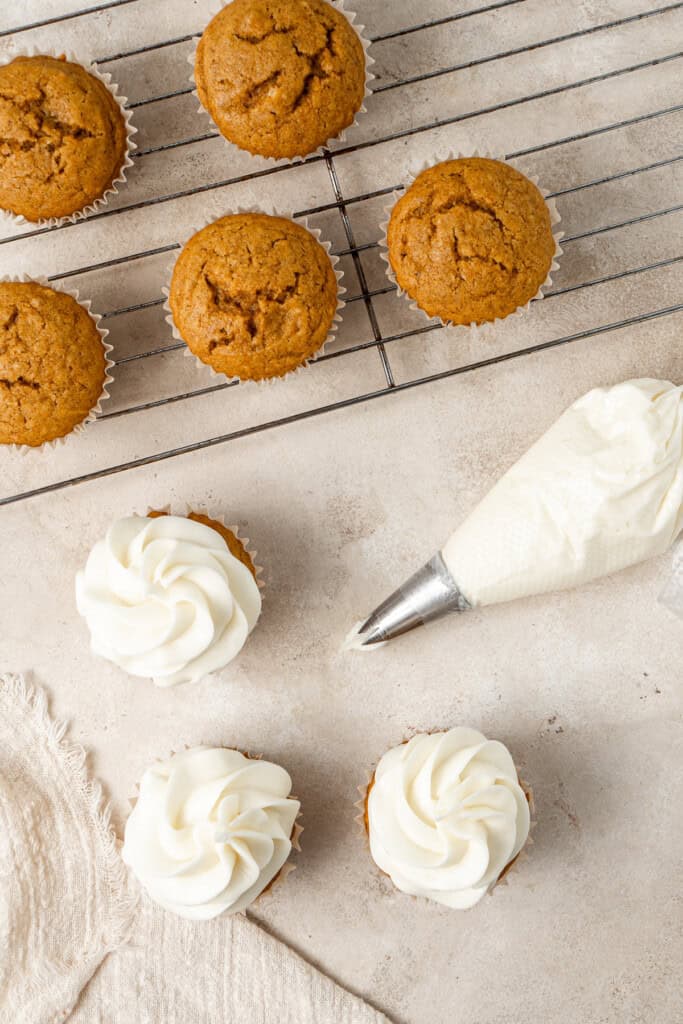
column 210, row 831
column 166, row 600
column 446, row 815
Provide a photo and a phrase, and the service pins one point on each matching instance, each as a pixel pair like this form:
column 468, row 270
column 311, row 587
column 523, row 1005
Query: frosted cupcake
column 446, row 816
column 210, row 831
column 169, row 598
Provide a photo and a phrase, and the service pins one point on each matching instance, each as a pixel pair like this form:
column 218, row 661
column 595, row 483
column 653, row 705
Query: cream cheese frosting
column 210, row 831
column 446, row 815
column 600, row 491
column 165, row 599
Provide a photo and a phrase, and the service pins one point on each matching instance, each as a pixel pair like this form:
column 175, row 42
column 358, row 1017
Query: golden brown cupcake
column 63, row 138
column 280, row 78
column 52, row 364
column 471, row 240
column 235, row 545
column 254, row 296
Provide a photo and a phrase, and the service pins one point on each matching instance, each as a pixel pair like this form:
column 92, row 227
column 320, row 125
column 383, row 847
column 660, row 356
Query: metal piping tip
column 428, row 595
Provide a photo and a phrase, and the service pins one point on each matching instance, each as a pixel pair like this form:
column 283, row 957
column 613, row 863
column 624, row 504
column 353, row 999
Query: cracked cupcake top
column 62, row 138
column 52, row 364
column 280, row 77
column 471, row 240
column 254, row 296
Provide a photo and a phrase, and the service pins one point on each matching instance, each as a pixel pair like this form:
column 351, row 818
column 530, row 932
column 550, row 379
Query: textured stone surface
column 583, row 687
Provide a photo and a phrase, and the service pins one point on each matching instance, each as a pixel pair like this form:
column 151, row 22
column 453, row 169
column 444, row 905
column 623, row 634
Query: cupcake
column 446, row 816
column 280, row 78
column 53, row 366
column 64, row 138
column 471, row 241
column 253, row 296
column 210, row 831
column 169, row 598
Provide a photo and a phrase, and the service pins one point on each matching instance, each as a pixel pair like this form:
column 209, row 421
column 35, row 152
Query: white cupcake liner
column 204, row 510
column 350, row 16
column 297, row 831
column 672, row 594
column 361, row 805
column 341, row 292
column 24, row 449
column 503, row 879
column 524, row 854
column 18, row 220
column 555, row 219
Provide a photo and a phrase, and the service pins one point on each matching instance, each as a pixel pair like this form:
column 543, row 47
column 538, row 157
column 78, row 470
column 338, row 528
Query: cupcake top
column 166, row 599
column 63, row 137
column 280, row 77
column 52, row 363
column 254, row 296
column 471, row 240
column 211, row 829
column 446, row 815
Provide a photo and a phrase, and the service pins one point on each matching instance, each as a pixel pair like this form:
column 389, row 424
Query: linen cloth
column 225, row 971
column 63, row 898
column 66, row 902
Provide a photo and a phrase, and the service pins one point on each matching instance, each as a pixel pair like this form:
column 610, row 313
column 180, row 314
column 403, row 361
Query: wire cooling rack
column 611, row 175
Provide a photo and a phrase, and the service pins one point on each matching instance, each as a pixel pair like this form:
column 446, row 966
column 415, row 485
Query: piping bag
column 601, row 490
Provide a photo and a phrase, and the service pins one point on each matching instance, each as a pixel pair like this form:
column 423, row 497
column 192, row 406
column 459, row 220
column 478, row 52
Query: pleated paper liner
column 490, row 325
column 217, row 517
column 350, row 16
column 297, row 831
column 672, row 594
column 361, row 821
column 341, row 292
column 108, row 363
column 17, row 219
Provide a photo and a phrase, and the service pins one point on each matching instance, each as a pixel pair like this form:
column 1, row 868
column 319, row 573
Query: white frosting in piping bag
column 165, row 599
column 210, row 831
column 601, row 490
column 446, row 815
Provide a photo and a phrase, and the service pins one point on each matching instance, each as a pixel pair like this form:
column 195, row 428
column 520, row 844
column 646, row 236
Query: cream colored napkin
column 227, row 971
column 63, row 901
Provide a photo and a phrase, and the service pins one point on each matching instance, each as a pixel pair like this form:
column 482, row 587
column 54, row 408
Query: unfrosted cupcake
column 169, row 598
column 471, row 240
column 446, row 816
column 53, row 365
column 253, row 296
column 210, row 831
column 64, row 138
column 280, row 78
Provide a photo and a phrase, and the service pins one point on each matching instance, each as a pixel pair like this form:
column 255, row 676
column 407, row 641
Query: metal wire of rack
column 362, row 291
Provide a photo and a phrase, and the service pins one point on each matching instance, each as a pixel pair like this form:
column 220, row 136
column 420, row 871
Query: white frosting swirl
column 166, row 600
column 446, row 815
column 210, row 831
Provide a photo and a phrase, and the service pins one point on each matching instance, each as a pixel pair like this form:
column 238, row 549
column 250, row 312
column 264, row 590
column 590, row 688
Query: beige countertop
column 584, row 687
